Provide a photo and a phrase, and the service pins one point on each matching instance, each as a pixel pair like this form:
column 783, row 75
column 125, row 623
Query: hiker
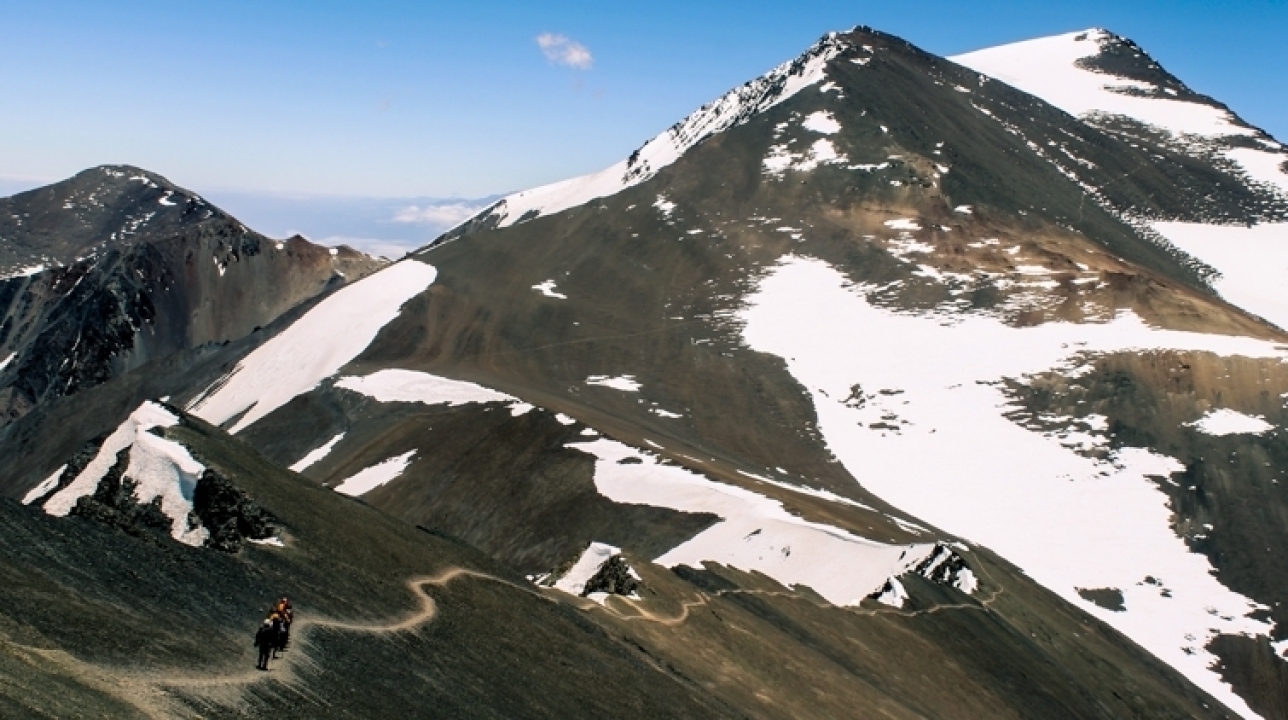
column 279, row 629
column 266, row 641
column 284, row 609
column 288, row 616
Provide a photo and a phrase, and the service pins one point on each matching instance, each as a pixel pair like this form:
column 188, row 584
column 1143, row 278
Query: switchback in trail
column 152, row 694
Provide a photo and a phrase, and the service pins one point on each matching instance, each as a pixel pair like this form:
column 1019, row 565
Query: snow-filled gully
column 1068, row 520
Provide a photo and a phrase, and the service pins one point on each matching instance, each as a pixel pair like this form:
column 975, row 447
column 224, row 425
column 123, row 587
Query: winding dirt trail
column 424, row 615
column 641, row 613
column 152, row 693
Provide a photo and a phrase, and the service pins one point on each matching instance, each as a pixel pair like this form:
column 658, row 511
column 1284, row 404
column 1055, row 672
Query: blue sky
column 402, row 99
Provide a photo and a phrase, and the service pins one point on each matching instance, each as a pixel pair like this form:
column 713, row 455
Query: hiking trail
column 154, row 694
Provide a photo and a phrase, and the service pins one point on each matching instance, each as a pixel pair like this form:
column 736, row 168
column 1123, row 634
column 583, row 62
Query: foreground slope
column 395, row 619
column 146, row 626
column 871, row 283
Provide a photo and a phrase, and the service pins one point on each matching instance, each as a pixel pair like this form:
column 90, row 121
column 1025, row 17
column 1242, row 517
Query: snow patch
column 369, row 479
column 755, row 533
column 821, row 121
column 1263, row 167
column 625, row 383
column 780, row 159
column 411, row 386
column 44, row 487
column 547, row 288
column 23, row 272
column 893, row 594
column 162, row 468
column 592, row 559
column 521, row 408
column 902, row 224
column 316, row 454
column 5, row 363
column 313, row 348
column 1280, row 648
column 1225, row 421
column 1253, row 262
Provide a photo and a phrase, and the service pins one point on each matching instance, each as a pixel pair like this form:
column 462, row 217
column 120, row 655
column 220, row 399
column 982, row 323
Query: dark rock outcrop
column 115, row 503
column 614, row 577
column 228, row 514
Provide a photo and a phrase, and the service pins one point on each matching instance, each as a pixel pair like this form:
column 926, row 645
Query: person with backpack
column 284, row 610
column 266, row 641
column 279, row 629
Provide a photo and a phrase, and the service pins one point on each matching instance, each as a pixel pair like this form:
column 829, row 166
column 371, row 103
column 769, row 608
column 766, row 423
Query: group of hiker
column 274, row 633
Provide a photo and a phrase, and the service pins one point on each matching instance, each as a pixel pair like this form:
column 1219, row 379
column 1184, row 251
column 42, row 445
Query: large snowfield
column 1253, row 262
column 1046, row 67
column 956, row 461
column 314, row 347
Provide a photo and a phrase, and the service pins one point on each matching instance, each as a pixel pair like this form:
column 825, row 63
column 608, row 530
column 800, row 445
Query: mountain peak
column 104, row 205
column 1096, row 71
column 733, row 108
column 1111, row 82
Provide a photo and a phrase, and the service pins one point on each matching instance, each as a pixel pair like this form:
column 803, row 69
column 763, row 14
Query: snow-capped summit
column 1104, row 79
column 1095, row 72
column 733, row 108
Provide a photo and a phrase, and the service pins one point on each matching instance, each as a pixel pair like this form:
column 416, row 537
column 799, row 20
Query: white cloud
column 443, row 216
column 563, row 50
